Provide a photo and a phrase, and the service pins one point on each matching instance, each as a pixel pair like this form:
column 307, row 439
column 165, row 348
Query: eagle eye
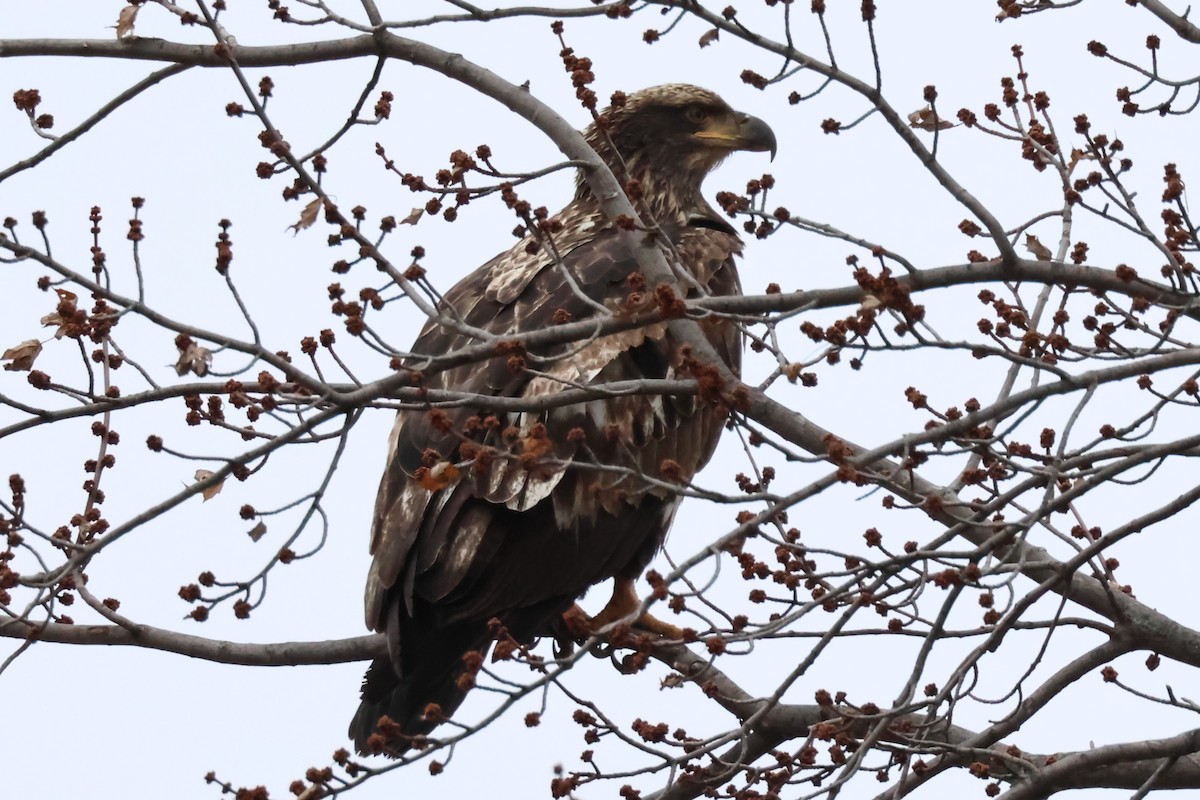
column 696, row 114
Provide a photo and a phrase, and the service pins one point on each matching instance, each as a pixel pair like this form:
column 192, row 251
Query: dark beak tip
column 760, row 134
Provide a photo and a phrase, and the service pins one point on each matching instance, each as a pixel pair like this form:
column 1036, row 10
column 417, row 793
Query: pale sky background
column 116, row 722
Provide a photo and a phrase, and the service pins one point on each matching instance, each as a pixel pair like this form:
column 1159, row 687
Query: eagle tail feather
column 406, row 699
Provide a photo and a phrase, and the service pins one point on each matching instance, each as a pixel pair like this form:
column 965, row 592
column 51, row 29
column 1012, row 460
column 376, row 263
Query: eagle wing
column 512, row 294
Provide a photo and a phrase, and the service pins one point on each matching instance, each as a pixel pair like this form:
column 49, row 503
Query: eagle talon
column 620, row 609
column 655, row 625
column 578, row 623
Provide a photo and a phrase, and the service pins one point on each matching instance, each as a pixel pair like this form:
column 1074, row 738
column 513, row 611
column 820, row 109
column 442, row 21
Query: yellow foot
column 621, row 607
column 656, row 625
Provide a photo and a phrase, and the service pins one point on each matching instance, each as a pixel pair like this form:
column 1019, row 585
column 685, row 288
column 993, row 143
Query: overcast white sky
column 127, row 723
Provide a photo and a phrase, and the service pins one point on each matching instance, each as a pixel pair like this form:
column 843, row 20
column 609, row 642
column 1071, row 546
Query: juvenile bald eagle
column 484, row 514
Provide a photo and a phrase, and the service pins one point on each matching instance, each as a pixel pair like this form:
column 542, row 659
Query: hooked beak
column 742, row 132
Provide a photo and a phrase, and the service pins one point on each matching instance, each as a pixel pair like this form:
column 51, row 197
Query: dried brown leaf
column 1078, row 155
column 439, row 476
column 258, row 531
column 1039, row 250
column 671, row 681
column 308, row 216
column 710, row 37
column 125, row 21
column 209, row 492
column 22, row 355
column 413, row 216
column 195, row 359
column 927, row 120
column 55, row 319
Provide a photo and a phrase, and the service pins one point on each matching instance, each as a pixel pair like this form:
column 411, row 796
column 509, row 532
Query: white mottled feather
column 511, row 274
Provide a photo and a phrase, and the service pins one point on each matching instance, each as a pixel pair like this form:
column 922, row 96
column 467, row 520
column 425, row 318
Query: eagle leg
column 623, row 604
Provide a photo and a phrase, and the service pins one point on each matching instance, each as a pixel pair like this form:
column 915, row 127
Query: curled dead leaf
column 195, row 359
column 55, row 319
column 439, row 476
column 125, row 21
column 927, row 120
column 1078, row 155
column 412, row 217
column 65, row 298
column 1039, row 250
column 710, row 37
column 21, row 356
column 671, row 681
column 308, row 216
column 258, row 531
column 209, row 492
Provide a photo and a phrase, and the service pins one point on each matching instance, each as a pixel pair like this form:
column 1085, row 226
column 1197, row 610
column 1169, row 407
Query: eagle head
column 669, row 138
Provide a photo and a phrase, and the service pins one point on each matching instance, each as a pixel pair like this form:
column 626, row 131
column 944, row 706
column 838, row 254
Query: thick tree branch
column 278, row 654
column 1180, row 24
column 1126, row 765
column 198, row 55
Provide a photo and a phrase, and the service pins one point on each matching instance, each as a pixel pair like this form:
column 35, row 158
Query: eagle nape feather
column 492, row 523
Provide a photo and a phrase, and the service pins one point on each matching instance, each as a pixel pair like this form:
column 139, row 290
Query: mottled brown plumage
column 534, row 519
